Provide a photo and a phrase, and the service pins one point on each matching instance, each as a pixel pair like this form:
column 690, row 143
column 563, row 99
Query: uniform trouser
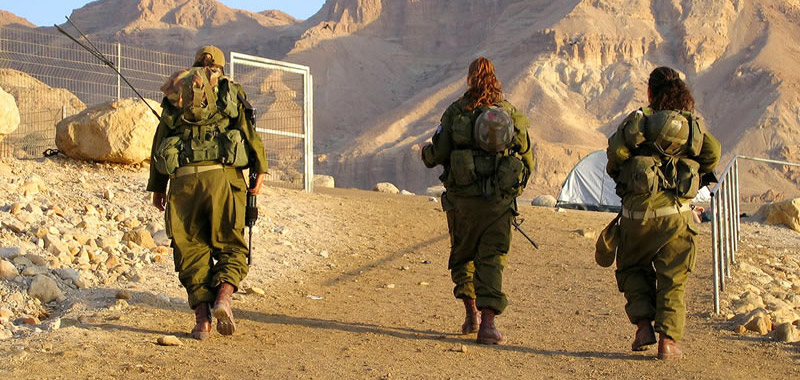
column 480, row 237
column 205, row 219
column 654, row 259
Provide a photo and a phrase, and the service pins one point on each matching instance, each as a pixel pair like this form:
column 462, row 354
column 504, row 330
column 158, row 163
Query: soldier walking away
column 484, row 147
column 203, row 142
column 657, row 157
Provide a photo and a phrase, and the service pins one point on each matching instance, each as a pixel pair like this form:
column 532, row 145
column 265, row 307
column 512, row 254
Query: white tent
column 588, row 186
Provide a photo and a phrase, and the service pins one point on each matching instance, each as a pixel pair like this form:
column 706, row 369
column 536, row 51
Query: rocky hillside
column 10, row 19
column 384, row 71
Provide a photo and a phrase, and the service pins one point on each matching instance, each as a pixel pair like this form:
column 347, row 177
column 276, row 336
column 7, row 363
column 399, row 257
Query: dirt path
column 385, row 313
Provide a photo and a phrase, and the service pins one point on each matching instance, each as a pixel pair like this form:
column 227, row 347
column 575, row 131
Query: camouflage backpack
column 663, row 144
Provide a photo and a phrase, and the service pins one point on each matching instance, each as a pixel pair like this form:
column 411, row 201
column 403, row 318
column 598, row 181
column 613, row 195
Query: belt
column 195, row 169
column 663, row 211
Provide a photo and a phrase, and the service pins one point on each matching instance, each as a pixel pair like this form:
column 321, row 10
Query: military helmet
column 494, row 130
column 216, row 54
column 668, row 131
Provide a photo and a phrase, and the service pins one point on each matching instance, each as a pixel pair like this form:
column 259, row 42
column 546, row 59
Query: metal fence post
column 119, row 67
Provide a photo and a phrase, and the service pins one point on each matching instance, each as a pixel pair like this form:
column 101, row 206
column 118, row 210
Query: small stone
column 169, row 340
column 163, row 297
column 256, row 291
column 324, row 254
column 739, row 329
column 423, row 283
column 10, row 253
column 5, row 315
column 31, row 321
column 786, row 332
column 589, row 234
column 5, row 334
column 119, row 305
column 761, row 324
column 389, row 286
column 7, row 270
column 108, row 194
column 433, row 199
column 462, row 349
column 44, row 288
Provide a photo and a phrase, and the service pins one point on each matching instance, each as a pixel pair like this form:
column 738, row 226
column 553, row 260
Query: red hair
column 483, row 87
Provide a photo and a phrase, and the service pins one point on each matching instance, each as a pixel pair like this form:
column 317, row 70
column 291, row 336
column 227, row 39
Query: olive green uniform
column 656, row 252
column 205, row 210
column 479, row 225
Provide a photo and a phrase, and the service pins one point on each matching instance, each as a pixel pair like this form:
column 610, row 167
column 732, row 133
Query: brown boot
column 202, row 318
column 472, row 320
column 488, row 333
column 668, row 349
column 645, row 336
column 222, row 310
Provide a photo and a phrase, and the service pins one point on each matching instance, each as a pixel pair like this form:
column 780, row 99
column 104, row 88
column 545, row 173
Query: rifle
column 99, row 55
column 251, row 209
column 516, row 222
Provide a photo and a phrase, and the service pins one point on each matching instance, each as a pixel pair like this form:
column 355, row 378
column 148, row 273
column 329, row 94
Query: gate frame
column 308, row 107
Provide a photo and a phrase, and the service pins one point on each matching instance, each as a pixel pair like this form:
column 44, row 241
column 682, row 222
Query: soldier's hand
column 421, row 147
column 160, row 200
column 259, row 180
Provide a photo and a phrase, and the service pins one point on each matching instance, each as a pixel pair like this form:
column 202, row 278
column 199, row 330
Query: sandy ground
column 386, row 309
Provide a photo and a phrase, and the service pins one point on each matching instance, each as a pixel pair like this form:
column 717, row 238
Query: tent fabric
column 589, row 187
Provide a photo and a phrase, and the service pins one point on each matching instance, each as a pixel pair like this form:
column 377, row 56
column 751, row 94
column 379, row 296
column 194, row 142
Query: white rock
column 406, row 192
column 435, row 191
column 386, row 187
column 544, row 201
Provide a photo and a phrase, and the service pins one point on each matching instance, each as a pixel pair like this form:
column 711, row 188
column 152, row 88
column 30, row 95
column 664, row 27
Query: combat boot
column 202, row 319
column 222, row 309
column 645, row 336
column 488, row 333
column 472, row 320
column 668, row 348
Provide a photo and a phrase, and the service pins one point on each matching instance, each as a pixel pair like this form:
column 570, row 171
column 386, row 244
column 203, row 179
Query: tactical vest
column 663, row 145
column 483, row 162
column 198, row 112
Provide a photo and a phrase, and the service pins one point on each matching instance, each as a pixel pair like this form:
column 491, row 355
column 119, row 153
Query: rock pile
column 764, row 294
column 61, row 233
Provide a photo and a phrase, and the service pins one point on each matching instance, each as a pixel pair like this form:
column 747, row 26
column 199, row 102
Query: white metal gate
column 282, row 94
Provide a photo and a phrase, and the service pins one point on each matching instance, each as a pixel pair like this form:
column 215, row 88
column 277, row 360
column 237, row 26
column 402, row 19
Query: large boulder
column 387, row 187
column 9, row 114
column 544, row 201
column 119, row 131
column 786, row 213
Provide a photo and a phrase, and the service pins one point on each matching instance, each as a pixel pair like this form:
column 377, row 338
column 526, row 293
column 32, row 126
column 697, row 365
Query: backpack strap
column 210, row 96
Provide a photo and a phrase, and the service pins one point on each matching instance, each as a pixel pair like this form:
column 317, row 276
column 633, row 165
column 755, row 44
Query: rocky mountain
column 10, row 19
column 384, row 71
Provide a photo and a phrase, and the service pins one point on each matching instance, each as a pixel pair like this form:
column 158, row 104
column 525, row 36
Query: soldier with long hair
column 481, row 188
column 657, row 158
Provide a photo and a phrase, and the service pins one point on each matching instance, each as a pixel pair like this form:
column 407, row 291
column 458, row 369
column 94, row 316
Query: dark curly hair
column 483, row 87
column 668, row 91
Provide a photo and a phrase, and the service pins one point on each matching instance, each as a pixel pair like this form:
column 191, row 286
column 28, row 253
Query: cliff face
column 385, row 70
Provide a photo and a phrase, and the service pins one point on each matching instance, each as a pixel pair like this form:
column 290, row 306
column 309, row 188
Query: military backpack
column 198, row 108
column 483, row 162
column 662, row 145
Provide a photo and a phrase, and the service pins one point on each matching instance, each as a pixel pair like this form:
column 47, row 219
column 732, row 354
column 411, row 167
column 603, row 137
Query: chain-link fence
column 52, row 78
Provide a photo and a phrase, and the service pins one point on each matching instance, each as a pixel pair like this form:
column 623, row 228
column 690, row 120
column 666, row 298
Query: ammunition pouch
column 462, row 167
column 511, row 176
column 234, row 149
column 687, row 178
column 462, row 131
column 640, row 175
column 167, row 155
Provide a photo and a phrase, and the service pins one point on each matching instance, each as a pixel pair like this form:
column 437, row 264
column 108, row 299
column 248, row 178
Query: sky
column 49, row 12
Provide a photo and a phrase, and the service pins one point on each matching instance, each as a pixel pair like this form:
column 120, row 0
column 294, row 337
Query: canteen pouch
column 688, row 178
column 462, row 131
column 462, row 167
column 640, row 175
column 234, row 152
column 510, row 176
column 167, row 156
